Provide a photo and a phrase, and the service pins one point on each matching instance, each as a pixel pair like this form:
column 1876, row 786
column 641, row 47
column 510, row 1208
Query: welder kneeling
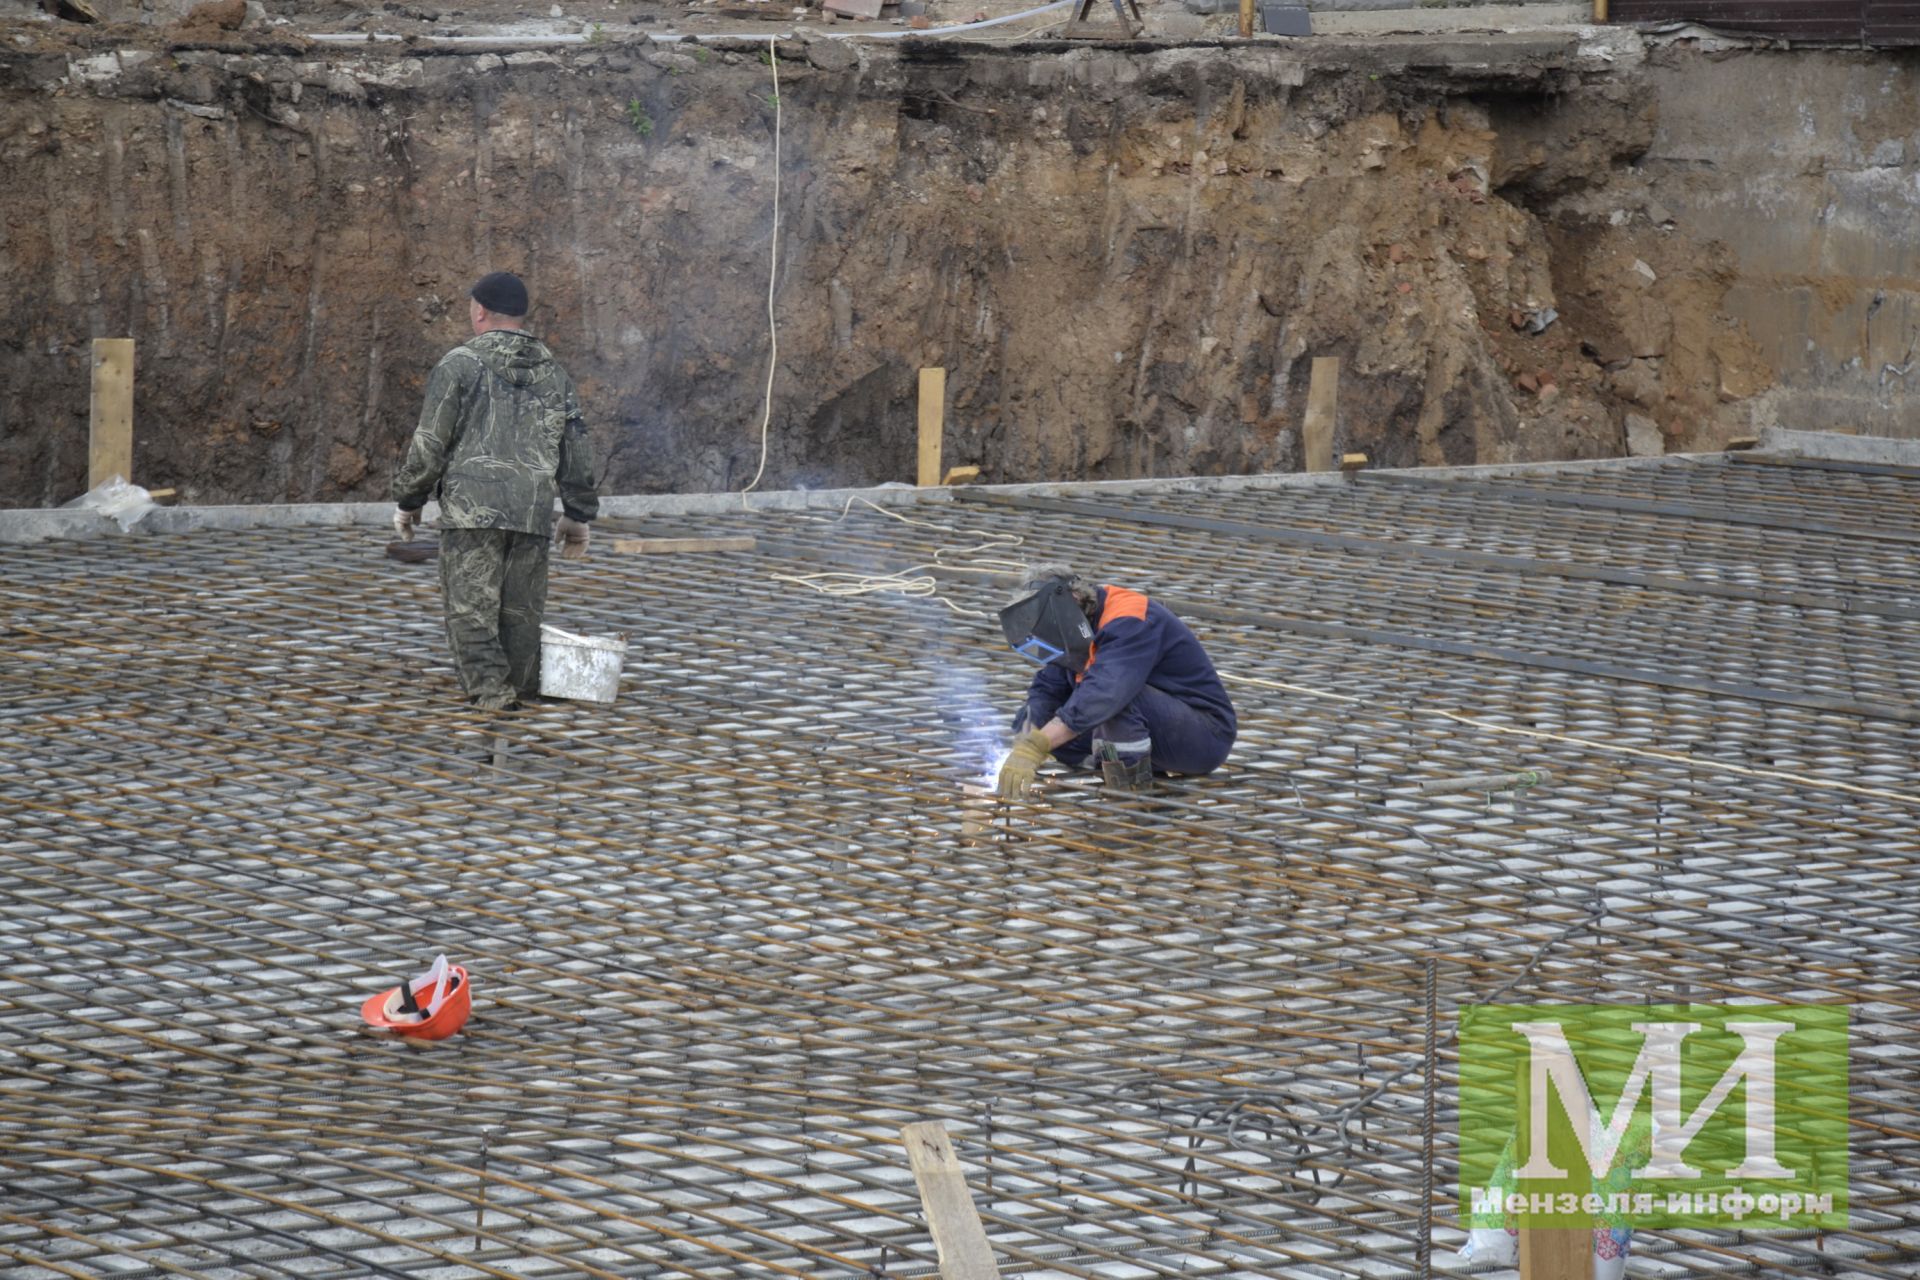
column 1123, row 686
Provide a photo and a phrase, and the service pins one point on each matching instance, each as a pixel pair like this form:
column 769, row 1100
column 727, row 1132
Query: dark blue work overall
column 1148, row 689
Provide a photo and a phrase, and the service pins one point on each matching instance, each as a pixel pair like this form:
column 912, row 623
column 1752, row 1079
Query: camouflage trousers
column 494, row 585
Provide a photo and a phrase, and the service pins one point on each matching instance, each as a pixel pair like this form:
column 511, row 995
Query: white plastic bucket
column 583, row 668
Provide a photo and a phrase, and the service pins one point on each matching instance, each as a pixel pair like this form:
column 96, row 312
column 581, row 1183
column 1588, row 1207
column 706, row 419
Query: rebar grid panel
column 1763, row 487
column 731, row 932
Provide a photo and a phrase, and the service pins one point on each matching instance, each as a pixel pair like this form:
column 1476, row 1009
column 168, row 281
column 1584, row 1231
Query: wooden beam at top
column 110, row 413
column 1323, row 411
column 933, row 410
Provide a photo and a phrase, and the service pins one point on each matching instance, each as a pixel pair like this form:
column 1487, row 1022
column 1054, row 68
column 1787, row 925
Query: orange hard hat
column 431, row 1007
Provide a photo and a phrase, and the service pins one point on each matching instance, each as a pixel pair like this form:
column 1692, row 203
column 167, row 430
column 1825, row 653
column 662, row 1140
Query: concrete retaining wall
column 1807, row 164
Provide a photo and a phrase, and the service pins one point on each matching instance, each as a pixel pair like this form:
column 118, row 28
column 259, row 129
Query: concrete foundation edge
column 1831, row 446
column 38, row 525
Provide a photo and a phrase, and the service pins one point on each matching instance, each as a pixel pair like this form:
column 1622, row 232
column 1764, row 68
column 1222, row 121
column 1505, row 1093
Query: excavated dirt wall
column 1126, row 258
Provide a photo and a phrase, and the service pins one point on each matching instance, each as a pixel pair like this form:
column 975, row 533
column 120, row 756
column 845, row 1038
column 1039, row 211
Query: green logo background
column 1810, row 1119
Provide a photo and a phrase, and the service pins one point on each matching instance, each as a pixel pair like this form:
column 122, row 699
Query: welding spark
column 990, row 776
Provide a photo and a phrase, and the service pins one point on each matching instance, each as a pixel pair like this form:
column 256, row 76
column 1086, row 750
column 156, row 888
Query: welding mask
column 1049, row 626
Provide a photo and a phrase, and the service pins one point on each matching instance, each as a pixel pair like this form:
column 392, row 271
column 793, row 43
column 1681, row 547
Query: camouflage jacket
column 499, row 437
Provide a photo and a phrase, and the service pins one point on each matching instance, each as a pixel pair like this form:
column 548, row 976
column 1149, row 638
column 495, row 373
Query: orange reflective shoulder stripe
column 1122, row 603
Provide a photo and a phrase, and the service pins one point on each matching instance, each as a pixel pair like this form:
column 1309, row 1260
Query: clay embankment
column 1126, row 258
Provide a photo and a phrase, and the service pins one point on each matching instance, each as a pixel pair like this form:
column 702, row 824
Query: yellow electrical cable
column 908, row 581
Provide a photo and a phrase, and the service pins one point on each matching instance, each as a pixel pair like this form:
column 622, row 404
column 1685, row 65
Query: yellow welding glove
column 1023, row 764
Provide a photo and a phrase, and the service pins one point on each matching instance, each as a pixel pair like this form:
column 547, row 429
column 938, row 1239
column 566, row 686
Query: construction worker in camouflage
column 499, row 438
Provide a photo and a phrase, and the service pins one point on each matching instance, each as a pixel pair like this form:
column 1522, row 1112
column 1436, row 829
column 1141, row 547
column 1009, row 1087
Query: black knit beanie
column 502, row 292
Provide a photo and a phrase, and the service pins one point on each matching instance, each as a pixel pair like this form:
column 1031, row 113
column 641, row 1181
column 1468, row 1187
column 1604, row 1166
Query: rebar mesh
column 731, row 932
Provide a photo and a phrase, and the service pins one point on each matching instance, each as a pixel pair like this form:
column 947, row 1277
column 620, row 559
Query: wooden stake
column 1323, row 404
column 1600, row 12
column 1559, row 1253
column 958, row 1238
column 933, row 410
column 110, row 417
column 1555, row 1253
column 1246, row 19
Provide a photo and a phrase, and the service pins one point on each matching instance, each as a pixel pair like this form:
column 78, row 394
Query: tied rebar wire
column 729, row 933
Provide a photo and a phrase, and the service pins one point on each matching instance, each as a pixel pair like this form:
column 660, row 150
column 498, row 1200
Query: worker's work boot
column 1125, row 773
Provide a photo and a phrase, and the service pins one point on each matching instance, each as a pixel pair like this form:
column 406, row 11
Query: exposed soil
column 1126, row 258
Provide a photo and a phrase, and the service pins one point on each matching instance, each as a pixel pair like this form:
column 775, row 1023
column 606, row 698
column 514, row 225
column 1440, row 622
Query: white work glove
column 404, row 523
column 572, row 535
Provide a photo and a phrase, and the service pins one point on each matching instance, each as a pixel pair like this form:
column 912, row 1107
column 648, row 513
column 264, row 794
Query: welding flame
column 982, row 745
column 990, row 774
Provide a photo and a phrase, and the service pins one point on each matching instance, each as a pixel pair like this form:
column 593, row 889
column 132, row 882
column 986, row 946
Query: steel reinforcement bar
column 732, row 931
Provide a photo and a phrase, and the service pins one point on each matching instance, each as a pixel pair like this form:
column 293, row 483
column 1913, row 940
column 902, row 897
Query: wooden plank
column 1246, row 19
column 110, row 416
column 675, row 546
column 960, row 475
column 933, row 410
column 1555, row 1254
column 1558, row 1253
column 958, row 1238
column 1323, row 404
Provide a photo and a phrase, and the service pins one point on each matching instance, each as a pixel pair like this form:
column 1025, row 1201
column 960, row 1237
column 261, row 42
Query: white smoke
column 980, row 727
